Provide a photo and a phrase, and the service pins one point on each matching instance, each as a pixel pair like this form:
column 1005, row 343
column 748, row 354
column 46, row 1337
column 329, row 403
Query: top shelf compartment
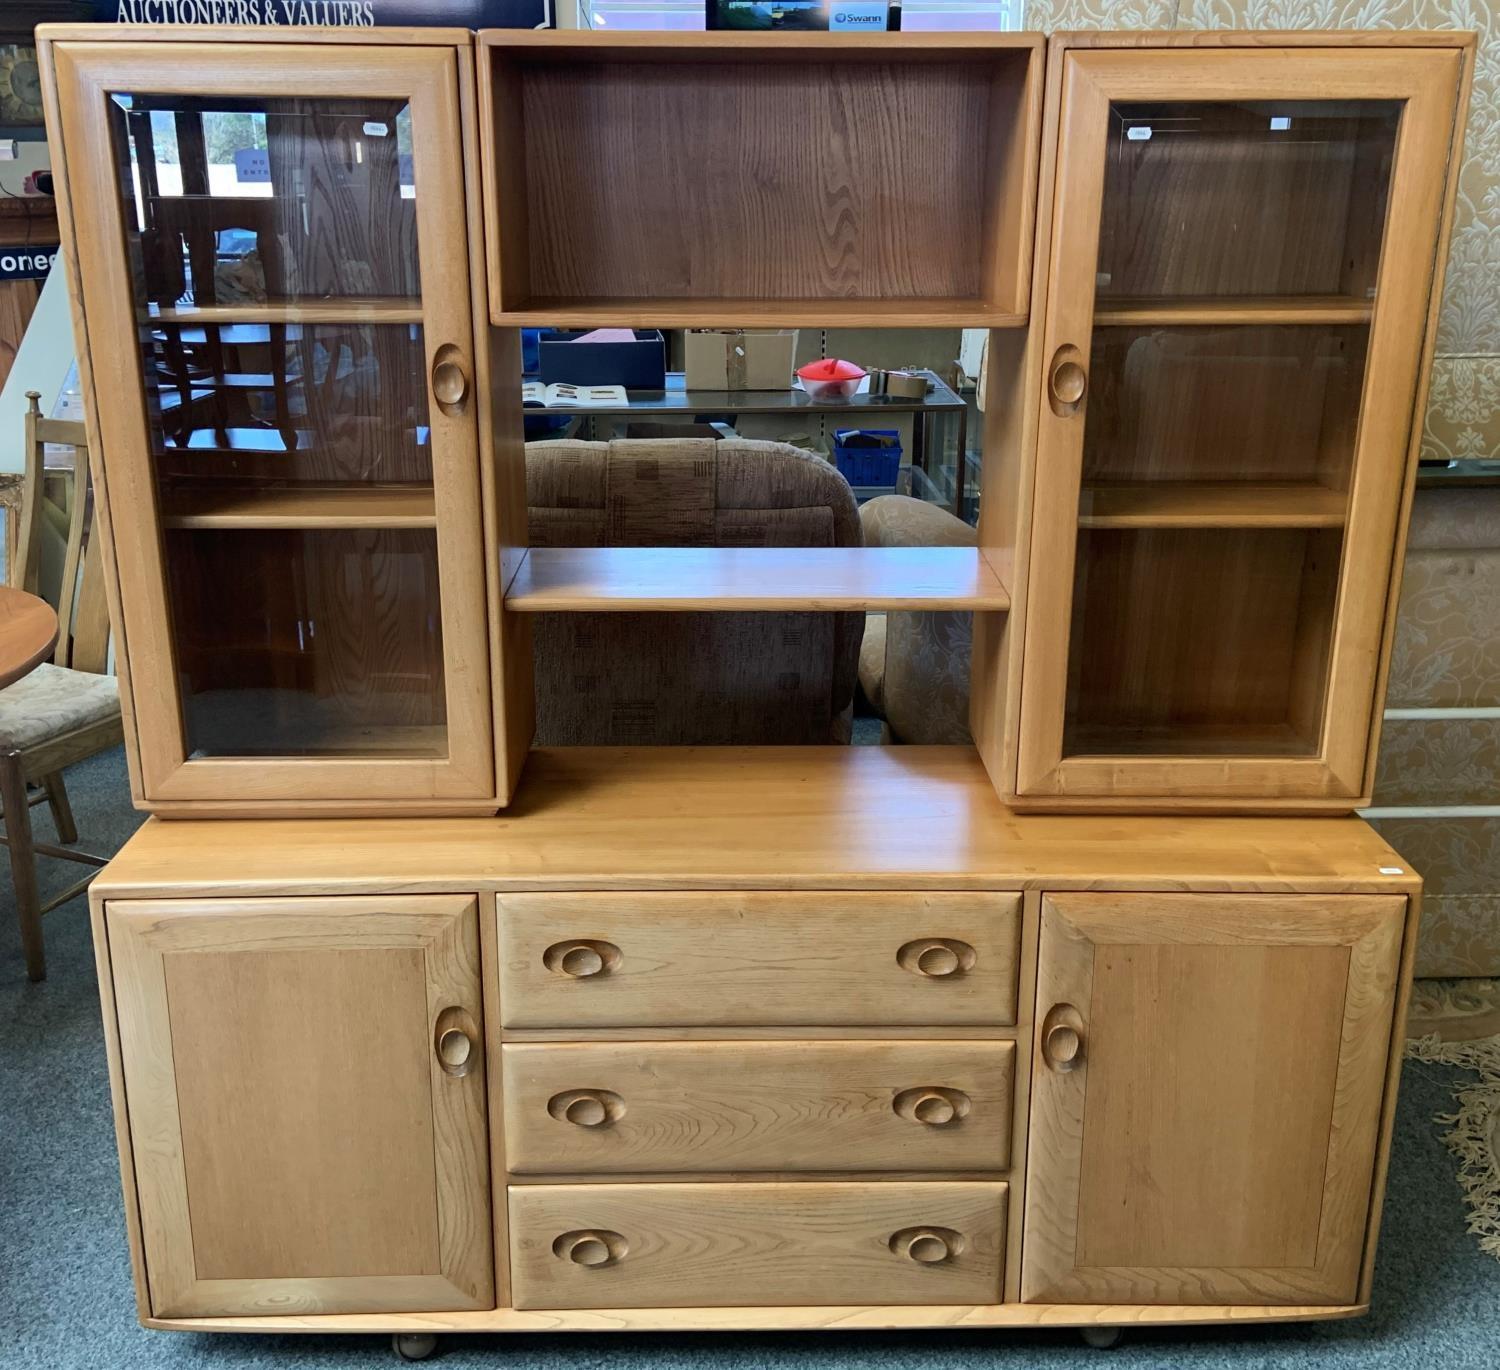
column 689, row 179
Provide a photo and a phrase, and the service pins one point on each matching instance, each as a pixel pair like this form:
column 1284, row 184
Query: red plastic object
column 830, row 379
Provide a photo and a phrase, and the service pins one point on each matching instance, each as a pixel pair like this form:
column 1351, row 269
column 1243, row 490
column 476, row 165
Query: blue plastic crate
column 867, row 456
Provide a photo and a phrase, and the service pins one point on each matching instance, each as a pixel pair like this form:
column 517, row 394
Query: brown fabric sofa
column 691, row 679
column 914, row 667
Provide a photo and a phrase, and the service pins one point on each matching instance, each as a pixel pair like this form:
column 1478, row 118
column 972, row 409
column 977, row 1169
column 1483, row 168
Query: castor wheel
column 414, row 1345
column 1101, row 1338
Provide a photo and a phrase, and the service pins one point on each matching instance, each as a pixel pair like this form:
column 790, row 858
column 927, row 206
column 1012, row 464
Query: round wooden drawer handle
column 591, row 1247
column 581, row 959
column 932, row 1105
column 935, row 958
column 927, row 1245
column 586, row 1107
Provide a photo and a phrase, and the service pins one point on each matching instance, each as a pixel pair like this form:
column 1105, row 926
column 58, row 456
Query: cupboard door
column 304, row 1081
column 1206, row 1093
column 1240, row 271
column 275, row 282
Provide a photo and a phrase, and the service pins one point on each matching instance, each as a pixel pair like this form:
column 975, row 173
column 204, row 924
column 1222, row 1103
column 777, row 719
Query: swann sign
column 846, row 16
column 26, row 264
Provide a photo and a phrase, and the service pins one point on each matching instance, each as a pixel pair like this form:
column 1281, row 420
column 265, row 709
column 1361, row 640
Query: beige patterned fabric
column 1447, row 648
column 1447, row 655
column 690, row 679
column 914, row 668
column 52, row 701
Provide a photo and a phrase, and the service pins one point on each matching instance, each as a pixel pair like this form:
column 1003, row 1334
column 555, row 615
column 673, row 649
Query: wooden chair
column 66, row 710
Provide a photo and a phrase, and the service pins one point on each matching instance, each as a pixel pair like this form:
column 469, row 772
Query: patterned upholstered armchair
column 691, row 679
column 914, row 668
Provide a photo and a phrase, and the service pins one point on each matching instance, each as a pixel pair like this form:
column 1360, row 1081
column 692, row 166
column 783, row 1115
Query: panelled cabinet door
column 275, row 289
column 1241, row 266
column 304, row 1080
column 1206, row 1094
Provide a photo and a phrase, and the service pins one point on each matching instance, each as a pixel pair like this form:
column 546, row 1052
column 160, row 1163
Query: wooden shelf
column 1218, row 505
column 353, row 309
column 1230, row 309
column 705, row 579
column 889, row 224
column 699, row 312
column 315, row 507
column 1191, row 739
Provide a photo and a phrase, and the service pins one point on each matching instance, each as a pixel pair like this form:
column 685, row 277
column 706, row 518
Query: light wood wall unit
column 985, row 1120
column 761, row 1037
column 1233, row 313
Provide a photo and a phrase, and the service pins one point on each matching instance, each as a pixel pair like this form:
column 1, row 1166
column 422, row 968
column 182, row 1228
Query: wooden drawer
column 657, row 1107
column 752, row 959
column 738, row 1245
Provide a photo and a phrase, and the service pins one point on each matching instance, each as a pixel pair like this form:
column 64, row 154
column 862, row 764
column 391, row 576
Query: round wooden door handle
column 455, row 1041
column 936, row 958
column 582, row 958
column 1067, row 381
column 591, row 1247
column 454, row 1048
column 1063, row 1045
column 927, row 1245
column 1063, row 1038
column 450, row 379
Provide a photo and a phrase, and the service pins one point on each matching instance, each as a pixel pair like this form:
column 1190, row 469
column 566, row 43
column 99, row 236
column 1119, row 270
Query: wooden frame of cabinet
column 1022, row 683
column 1226, row 888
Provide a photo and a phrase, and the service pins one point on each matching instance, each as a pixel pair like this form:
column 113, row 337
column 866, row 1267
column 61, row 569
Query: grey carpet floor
column 65, row 1293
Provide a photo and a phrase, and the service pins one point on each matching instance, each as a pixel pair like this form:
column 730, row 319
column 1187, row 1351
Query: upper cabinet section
column 691, row 179
column 1239, row 281
column 276, row 334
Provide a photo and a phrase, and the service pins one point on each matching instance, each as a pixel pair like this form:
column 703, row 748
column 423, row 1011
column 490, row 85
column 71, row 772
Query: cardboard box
column 637, row 363
column 739, row 359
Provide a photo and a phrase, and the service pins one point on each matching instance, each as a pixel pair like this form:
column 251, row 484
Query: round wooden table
column 28, row 633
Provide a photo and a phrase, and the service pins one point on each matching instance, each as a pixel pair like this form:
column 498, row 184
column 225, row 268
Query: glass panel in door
column 272, row 245
column 1238, row 260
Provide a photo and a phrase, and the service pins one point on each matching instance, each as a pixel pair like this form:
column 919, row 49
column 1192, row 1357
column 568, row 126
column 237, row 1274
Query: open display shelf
column 695, row 312
column 800, row 579
column 681, row 179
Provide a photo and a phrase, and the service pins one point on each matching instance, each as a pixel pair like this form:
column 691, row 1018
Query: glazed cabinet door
column 1207, row 1082
column 1241, row 266
column 275, row 294
column 304, row 1086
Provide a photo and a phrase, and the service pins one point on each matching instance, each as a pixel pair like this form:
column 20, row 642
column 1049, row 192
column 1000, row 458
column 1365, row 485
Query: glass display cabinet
column 1241, row 265
column 273, row 250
